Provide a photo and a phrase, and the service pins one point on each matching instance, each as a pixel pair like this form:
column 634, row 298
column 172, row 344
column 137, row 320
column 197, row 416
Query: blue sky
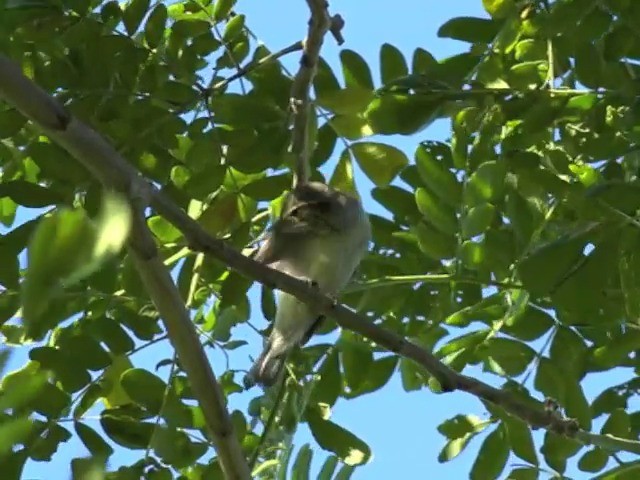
column 399, row 427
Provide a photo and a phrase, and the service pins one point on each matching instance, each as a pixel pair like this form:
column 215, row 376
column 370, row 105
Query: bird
column 321, row 236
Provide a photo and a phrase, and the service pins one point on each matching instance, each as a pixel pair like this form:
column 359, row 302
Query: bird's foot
column 312, row 283
column 315, row 285
column 334, row 300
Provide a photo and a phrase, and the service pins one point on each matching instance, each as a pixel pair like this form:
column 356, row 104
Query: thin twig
column 242, row 71
column 437, row 278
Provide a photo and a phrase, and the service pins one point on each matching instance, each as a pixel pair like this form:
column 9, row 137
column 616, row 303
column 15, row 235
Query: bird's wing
column 298, row 225
column 269, row 251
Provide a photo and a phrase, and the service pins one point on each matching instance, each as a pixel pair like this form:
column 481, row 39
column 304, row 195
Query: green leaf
column 352, row 100
column 377, row 376
column 328, row 467
column 11, row 465
column 379, row 161
column 411, row 375
column 9, row 278
column 492, row 456
column 48, row 443
column 154, row 28
column 499, row 8
column 524, row 474
column 326, row 139
column 616, row 350
column 557, row 449
column 302, row 463
column 19, row 390
column 345, row 472
column 72, row 376
column 478, row 219
column 344, row 444
column 12, row 432
column 403, row 114
column 342, row 177
column 127, row 432
column 399, row 202
column 324, row 81
column 432, row 242
column 459, row 431
column 437, row 176
column 629, row 269
column 11, row 122
column 437, row 214
column 51, row 401
column 175, row 448
column 93, row 441
column 569, row 350
column 66, row 247
column 486, row 184
column 59, row 246
column 355, row 70
column 30, row 194
column 231, row 110
column 114, row 394
column 530, row 324
column 267, row 188
column 133, row 14
column 520, row 439
column 392, row 63
column 593, row 461
column 470, row 29
column 222, row 8
column 144, row 388
column 233, row 28
column 352, row 127
column 328, row 388
column 284, row 458
column 507, row 357
column 264, row 467
column 357, row 359
column 545, row 267
column 549, row 380
column 618, row 424
column 628, row 471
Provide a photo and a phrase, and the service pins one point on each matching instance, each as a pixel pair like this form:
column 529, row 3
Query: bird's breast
column 328, row 260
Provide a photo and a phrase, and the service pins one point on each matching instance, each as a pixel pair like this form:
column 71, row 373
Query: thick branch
column 114, row 172
column 91, row 150
column 319, row 25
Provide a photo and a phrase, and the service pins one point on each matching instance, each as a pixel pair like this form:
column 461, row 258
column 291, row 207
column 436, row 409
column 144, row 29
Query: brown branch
column 93, row 152
column 319, row 25
column 99, row 157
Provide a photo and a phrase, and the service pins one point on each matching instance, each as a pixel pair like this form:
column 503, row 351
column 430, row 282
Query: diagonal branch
column 242, row 71
column 100, row 158
column 113, row 171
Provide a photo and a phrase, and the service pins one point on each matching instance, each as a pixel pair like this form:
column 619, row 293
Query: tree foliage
column 512, row 247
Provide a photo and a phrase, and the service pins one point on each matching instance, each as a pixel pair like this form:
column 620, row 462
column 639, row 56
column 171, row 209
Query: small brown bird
column 321, row 236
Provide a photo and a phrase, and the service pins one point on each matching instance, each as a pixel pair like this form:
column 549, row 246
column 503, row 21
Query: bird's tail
column 265, row 369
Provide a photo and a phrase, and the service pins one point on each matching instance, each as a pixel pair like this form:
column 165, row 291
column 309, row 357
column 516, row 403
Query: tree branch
column 319, row 25
column 93, row 152
column 99, row 157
